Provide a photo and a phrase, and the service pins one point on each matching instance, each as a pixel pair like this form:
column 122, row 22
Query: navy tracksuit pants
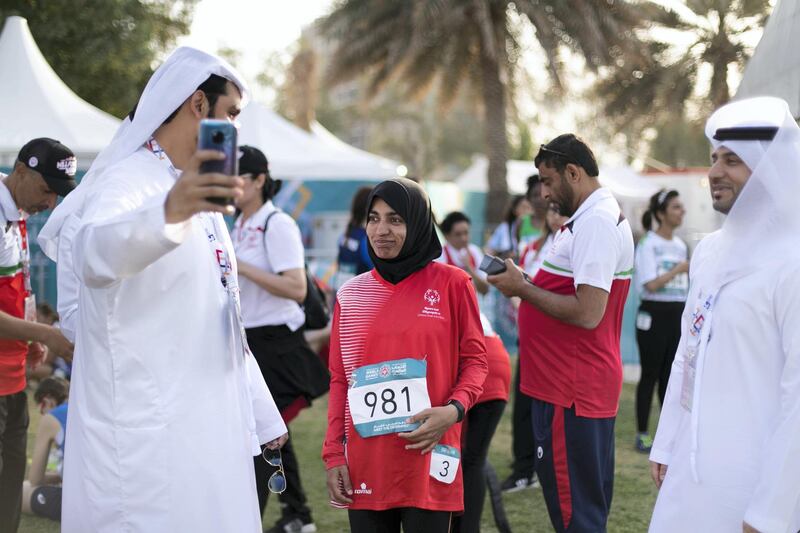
column 575, row 465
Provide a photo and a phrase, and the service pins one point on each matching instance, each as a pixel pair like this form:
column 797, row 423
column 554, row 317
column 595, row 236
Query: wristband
column 459, row 408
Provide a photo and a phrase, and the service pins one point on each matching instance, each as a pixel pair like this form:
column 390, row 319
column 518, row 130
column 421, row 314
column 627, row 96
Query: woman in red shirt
column 407, row 359
column 480, row 426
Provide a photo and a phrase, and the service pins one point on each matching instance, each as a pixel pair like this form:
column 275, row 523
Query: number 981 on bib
column 382, row 396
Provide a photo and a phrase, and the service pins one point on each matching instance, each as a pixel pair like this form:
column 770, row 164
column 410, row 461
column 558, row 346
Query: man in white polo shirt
column 569, row 330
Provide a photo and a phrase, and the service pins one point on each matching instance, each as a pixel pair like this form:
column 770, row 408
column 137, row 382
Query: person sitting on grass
column 41, row 492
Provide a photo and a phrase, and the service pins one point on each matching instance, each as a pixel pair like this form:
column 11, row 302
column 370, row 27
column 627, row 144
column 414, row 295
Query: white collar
column 11, row 212
column 258, row 217
column 595, row 198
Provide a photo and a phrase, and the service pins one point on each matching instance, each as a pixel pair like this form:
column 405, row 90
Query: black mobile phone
column 219, row 135
column 492, row 265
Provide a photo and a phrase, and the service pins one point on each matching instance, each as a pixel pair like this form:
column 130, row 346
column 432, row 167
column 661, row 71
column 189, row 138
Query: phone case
column 492, row 265
column 219, row 135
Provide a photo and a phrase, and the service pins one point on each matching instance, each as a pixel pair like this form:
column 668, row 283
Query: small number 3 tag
column 444, row 463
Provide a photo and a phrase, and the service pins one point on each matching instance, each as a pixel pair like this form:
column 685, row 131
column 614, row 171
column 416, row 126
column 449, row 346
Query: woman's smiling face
column 386, row 230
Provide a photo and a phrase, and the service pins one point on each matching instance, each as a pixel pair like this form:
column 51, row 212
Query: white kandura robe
column 165, row 409
column 748, row 452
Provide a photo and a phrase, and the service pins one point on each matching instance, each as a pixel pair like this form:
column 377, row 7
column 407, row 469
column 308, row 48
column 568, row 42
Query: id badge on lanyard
column 383, row 396
column 228, row 277
column 699, row 331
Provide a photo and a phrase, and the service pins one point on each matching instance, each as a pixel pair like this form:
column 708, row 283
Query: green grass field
column 634, row 493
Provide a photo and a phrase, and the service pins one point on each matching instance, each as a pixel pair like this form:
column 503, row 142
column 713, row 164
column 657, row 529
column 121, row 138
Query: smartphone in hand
column 492, row 265
column 219, row 135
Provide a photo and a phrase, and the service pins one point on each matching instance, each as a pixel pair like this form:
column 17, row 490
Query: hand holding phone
column 492, row 265
column 192, row 190
column 219, row 135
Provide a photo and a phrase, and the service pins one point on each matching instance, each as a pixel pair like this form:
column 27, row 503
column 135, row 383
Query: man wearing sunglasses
column 569, row 332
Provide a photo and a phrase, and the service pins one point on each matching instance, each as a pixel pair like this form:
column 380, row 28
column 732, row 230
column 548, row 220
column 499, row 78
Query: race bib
column 677, row 285
column 644, row 320
column 384, row 395
column 444, row 463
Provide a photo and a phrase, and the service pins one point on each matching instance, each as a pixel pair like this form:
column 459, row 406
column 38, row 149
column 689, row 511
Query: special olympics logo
column 384, row 371
column 432, row 297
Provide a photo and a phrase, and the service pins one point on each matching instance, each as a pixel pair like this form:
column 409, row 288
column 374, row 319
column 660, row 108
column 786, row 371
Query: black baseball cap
column 252, row 161
column 54, row 161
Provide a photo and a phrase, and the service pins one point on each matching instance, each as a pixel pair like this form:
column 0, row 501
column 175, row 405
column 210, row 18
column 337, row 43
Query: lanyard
column 222, row 256
column 24, row 254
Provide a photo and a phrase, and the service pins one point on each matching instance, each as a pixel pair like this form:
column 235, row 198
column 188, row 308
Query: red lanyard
column 24, row 255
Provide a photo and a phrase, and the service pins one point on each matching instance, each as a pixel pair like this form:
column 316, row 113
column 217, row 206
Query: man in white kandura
column 727, row 452
column 167, row 405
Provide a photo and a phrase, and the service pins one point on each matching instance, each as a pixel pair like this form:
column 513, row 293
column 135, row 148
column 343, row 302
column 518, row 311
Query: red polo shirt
column 564, row 364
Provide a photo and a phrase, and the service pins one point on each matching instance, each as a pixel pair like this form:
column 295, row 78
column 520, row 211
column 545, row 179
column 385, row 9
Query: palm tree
column 447, row 44
column 300, row 87
column 656, row 94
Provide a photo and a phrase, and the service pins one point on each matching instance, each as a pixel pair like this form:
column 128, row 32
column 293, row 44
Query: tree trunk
column 494, row 104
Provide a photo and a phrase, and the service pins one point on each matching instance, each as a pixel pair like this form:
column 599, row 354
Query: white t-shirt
column 503, row 239
column 655, row 256
column 281, row 249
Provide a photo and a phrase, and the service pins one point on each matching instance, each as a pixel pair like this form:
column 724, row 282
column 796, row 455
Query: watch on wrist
column 459, row 408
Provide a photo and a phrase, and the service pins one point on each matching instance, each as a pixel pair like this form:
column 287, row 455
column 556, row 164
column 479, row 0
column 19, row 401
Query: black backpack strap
column 266, row 225
column 266, row 222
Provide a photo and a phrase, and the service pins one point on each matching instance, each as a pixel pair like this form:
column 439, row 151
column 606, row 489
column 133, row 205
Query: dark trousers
column 482, row 422
column 575, row 464
column 657, row 347
column 291, row 370
column 412, row 519
column 13, row 449
column 522, row 439
column 293, row 499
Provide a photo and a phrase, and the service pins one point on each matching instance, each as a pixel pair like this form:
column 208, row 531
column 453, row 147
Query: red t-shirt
column 564, row 364
column 431, row 315
column 498, row 381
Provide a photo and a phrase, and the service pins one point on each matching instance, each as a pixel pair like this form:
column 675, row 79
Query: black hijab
column 421, row 246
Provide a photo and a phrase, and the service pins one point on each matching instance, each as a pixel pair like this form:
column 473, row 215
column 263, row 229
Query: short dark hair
column 532, row 182
column 46, row 311
column 566, row 149
column 56, row 388
column 214, row 87
column 452, row 219
column 358, row 208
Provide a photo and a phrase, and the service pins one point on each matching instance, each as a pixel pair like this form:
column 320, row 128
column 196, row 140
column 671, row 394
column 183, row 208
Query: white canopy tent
column 295, row 154
column 34, row 102
column 624, row 182
column 774, row 70
column 630, row 189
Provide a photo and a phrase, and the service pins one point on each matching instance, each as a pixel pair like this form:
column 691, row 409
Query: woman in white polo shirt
column 662, row 278
column 272, row 280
